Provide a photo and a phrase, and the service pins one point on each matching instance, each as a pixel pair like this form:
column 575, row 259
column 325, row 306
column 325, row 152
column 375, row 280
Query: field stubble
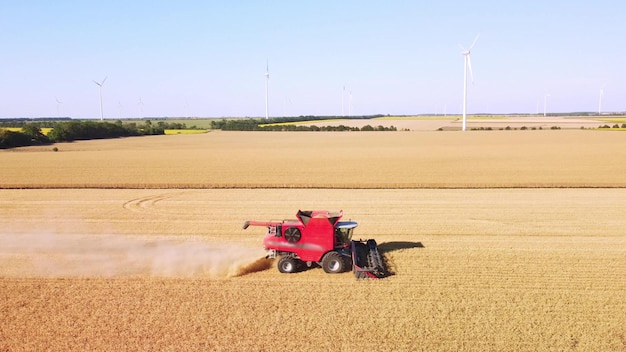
column 521, row 269
column 475, row 269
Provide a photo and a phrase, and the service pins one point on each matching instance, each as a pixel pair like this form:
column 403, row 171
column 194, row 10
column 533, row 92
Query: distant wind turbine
column 58, row 106
column 545, row 104
column 342, row 92
column 267, row 97
column 100, row 84
column 467, row 65
column 600, row 101
column 537, row 109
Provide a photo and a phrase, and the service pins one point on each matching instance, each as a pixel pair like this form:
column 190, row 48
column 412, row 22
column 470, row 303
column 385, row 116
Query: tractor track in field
column 149, row 204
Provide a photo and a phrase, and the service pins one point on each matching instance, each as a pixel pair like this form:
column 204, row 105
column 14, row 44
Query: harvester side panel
column 308, row 243
column 316, row 236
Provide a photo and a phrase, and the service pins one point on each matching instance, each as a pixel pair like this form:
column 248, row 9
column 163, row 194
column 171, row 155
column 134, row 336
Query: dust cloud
column 62, row 255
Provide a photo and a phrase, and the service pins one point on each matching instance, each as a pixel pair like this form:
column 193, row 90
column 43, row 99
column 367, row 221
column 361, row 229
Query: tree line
column 68, row 131
column 281, row 124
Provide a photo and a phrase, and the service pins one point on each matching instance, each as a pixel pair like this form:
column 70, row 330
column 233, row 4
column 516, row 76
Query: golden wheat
column 162, row 269
column 326, row 160
column 517, row 269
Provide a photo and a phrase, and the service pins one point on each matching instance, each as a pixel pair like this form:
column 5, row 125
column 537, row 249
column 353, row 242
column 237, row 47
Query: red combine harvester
column 318, row 237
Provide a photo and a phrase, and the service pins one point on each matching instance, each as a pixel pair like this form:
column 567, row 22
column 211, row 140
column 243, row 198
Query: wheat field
column 89, row 261
column 572, row 158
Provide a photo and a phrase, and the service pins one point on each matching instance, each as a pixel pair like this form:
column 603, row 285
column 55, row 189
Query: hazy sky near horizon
column 208, row 58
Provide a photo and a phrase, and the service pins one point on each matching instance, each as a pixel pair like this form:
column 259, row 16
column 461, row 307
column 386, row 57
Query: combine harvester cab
column 320, row 237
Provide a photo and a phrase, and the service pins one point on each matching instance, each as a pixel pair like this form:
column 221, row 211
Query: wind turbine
column 537, row 109
column 468, row 65
column 58, row 106
column 600, row 101
column 100, row 84
column 545, row 104
column 267, row 97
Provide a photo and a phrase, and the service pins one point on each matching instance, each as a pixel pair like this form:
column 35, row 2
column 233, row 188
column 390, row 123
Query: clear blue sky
column 208, row 58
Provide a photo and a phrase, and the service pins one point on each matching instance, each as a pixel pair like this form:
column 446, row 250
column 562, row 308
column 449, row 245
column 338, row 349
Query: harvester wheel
column 333, row 263
column 287, row 265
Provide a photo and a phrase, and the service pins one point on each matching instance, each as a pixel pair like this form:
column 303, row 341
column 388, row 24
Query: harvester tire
column 333, row 263
column 287, row 265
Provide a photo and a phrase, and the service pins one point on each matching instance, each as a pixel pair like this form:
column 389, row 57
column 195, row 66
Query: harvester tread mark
column 293, row 234
column 287, row 265
column 333, row 262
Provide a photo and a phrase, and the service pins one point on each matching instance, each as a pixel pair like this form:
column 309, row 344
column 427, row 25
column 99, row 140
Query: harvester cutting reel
column 366, row 260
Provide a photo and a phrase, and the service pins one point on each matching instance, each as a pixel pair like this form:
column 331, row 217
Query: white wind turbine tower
column 600, row 101
column 267, row 96
column 537, row 109
column 342, row 92
column 100, row 84
column 58, row 106
column 468, row 65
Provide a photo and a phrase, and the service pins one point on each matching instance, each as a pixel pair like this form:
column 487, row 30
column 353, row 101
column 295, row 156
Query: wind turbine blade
column 474, row 42
column 96, row 82
column 469, row 65
column 105, row 78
